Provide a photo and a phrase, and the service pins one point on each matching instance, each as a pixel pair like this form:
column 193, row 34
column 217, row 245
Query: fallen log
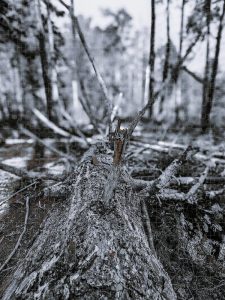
column 57, row 130
column 49, row 147
column 92, row 247
column 27, row 175
column 145, row 177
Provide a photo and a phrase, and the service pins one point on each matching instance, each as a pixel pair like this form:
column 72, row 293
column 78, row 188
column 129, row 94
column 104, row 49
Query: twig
column 17, row 192
column 141, row 113
column 19, row 239
column 86, row 104
column 1, row 239
column 52, row 149
column 192, row 74
column 191, row 46
column 73, row 124
column 193, row 190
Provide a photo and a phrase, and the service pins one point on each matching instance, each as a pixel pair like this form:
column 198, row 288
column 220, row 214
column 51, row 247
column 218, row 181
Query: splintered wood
column 120, row 140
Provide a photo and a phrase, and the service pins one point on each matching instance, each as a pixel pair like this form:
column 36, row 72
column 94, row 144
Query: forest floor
column 195, row 262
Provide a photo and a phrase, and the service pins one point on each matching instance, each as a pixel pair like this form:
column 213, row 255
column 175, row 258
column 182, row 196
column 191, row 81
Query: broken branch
column 165, row 178
column 52, row 149
column 76, row 24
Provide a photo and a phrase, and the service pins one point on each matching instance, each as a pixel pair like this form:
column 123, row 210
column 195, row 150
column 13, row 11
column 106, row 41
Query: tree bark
column 74, row 65
column 176, row 77
column 93, row 245
column 206, row 76
column 52, row 60
column 17, row 84
column 167, row 54
column 152, row 59
column 207, row 105
column 44, row 63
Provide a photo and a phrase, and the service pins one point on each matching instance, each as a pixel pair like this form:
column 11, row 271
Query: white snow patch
column 18, row 162
column 55, row 168
column 18, row 141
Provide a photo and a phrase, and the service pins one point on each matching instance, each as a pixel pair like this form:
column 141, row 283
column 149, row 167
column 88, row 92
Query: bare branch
column 189, row 49
column 15, row 171
column 86, row 104
column 76, row 24
column 17, row 192
column 214, row 194
column 190, row 197
column 141, row 113
column 52, row 149
column 192, row 74
column 165, row 178
column 50, row 124
column 148, row 228
column 56, row 129
column 31, row 175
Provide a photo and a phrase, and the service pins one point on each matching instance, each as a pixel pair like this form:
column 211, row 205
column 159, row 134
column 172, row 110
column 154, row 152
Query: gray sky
column 140, row 11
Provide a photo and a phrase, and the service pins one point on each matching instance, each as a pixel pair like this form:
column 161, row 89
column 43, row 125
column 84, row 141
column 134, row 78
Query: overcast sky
column 139, row 9
column 140, row 12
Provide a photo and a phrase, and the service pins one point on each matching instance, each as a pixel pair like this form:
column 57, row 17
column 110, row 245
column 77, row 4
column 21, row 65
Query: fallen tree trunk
column 92, row 249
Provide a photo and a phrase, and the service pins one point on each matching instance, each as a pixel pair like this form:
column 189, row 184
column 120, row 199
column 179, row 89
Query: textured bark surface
column 89, row 249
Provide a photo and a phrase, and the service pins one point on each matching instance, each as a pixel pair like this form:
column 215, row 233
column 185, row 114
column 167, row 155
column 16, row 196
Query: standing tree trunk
column 177, row 83
column 167, row 54
column 74, row 64
column 207, row 106
column 52, row 59
column 93, row 245
column 181, row 28
column 44, row 62
column 152, row 59
column 17, row 83
column 206, row 76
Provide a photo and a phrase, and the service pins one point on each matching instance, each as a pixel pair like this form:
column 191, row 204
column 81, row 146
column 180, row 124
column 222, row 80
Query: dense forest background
column 112, row 154
column 44, row 65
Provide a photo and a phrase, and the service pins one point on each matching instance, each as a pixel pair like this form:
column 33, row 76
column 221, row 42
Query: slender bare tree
column 44, row 60
column 167, row 53
column 152, row 58
column 208, row 98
